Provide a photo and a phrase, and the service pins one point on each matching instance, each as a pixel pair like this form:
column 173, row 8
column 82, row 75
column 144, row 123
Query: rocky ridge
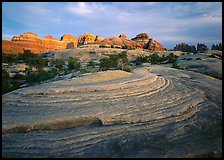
column 31, row 41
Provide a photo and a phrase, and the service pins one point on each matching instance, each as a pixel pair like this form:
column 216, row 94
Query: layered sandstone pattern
column 88, row 38
column 146, row 42
column 32, row 42
column 157, row 110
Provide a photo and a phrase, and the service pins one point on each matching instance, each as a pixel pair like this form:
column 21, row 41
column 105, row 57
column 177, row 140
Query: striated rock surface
column 32, row 42
column 116, row 41
column 69, row 41
column 145, row 42
column 88, row 38
column 155, row 46
column 152, row 112
column 51, row 43
column 140, row 41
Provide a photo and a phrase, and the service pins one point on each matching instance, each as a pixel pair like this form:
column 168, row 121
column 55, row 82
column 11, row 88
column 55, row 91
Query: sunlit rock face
column 31, row 41
column 88, row 38
column 153, row 112
column 146, row 42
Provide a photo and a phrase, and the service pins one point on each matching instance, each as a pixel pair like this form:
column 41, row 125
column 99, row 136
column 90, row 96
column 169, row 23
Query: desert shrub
column 84, row 70
column 18, row 76
column 38, row 77
column 175, row 65
column 139, row 60
column 103, row 46
column 154, row 58
column 10, row 58
column 28, row 70
column 58, row 63
column 55, row 71
column 73, row 64
column 9, row 84
column 127, row 69
column 189, row 59
column 114, row 61
column 125, row 47
column 171, row 58
column 91, row 64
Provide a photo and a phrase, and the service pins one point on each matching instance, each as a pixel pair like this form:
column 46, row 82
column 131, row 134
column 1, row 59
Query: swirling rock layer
column 147, row 113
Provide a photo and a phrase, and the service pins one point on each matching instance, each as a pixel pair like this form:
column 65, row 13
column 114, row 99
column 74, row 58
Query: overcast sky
column 168, row 22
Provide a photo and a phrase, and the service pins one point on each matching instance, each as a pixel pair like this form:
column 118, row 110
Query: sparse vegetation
column 188, row 59
column 103, row 46
column 176, row 66
column 73, row 64
column 155, row 59
column 118, row 61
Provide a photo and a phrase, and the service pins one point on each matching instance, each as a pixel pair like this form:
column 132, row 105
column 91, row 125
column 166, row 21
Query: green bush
column 8, row 84
column 114, row 61
column 58, row 63
column 84, row 70
column 10, row 58
column 73, row 64
column 91, row 64
column 139, row 60
column 154, row 58
column 175, row 65
column 103, row 46
column 198, row 58
column 112, row 46
column 127, row 69
column 38, row 77
column 189, row 59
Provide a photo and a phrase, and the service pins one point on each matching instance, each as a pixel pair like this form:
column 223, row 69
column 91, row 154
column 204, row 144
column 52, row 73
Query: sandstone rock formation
column 69, row 41
column 145, row 42
column 88, row 38
column 118, row 114
column 122, row 36
column 32, row 42
column 118, row 41
column 140, row 41
column 26, row 40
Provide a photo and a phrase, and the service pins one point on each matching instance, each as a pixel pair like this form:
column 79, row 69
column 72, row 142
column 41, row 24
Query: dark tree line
column 200, row 47
column 217, row 47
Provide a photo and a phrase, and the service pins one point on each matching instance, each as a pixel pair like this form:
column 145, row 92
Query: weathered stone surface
column 152, row 112
column 117, row 41
column 155, row 46
column 140, row 41
column 145, row 42
column 69, row 41
column 88, row 38
column 122, row 36
column 32, row 42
